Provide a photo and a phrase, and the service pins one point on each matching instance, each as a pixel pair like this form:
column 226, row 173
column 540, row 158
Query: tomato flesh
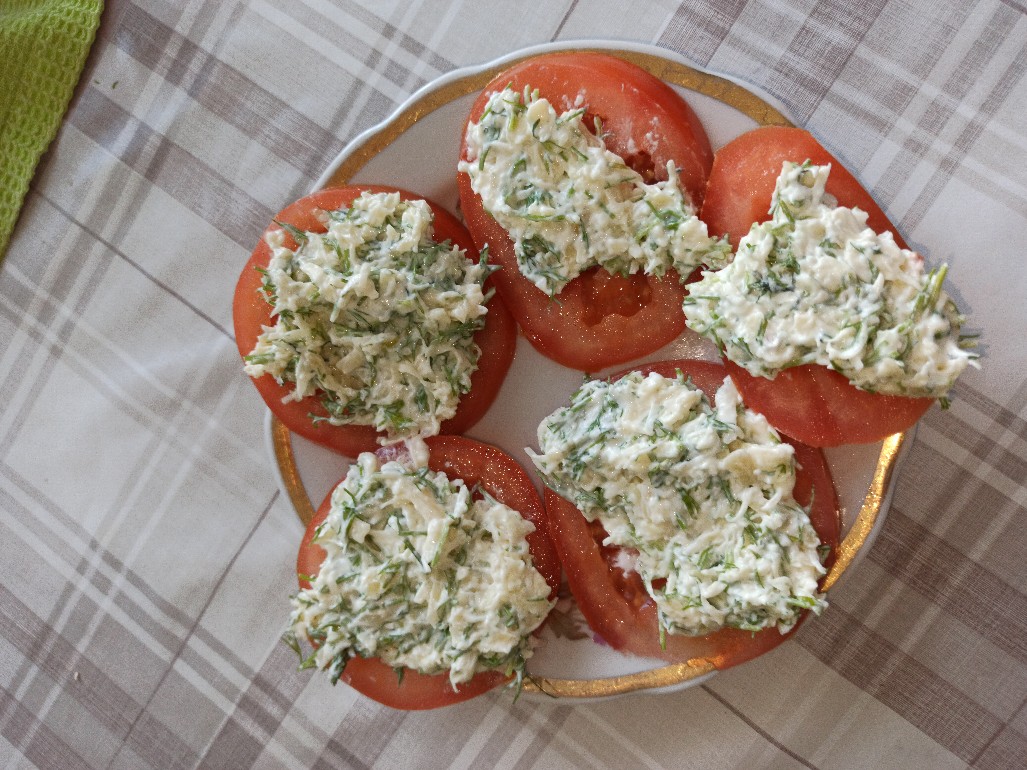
column 616, row 604
column 811, row 404
column 599, row 319
column 497, row 340
column 502, row 477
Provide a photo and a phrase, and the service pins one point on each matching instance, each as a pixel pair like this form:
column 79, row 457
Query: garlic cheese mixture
column 702, row 493
column 374, row 317
column 570, row 204
column 421, row 575
column 815, row 285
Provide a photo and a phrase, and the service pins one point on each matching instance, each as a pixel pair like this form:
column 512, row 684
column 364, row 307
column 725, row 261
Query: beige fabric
column 147, row 552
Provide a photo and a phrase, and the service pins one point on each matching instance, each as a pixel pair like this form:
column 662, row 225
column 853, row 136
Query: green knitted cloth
column 43, row 47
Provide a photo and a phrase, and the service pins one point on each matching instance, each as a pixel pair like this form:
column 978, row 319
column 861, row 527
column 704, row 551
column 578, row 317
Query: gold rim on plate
column 682, row 75
column 664, row 676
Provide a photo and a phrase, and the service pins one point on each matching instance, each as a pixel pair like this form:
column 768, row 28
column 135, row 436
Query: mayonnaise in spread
column 702, row 493
column 420, row 574
column 815, row 285
column 569, row 203
column 374, row 317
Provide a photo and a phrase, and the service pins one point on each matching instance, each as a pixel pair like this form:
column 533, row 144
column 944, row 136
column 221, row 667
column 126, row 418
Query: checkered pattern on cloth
column 145, row 547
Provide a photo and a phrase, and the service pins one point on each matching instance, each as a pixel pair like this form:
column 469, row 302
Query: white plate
column 417, row 148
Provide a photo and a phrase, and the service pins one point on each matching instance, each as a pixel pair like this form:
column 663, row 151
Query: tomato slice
column 820, row 407
column 616, row 604
column 251, row 313
column 811, row 403
column 745, row 171
column 599, row 319
column 503, row 478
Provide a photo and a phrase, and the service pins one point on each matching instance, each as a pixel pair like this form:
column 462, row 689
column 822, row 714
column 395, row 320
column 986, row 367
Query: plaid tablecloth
column 147, row 552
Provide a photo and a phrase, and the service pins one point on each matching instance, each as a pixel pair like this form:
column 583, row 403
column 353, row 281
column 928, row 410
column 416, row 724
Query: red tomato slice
column 251, row 312
column 745, row 171
column 503, row 478
column 812, row 403
column 820, row 407
column 616, row 604
column 599, row 319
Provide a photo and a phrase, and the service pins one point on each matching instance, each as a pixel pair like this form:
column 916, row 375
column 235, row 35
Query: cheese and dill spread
column 569, row 204
column 815, row 285
column 374, row 317
column 420, row 574
column 702, row 493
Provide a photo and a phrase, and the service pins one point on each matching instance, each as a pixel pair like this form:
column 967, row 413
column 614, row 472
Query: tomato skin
column 811, row 403
column 503, row 478
column 617, row 606
column 820, row 407
column 497, row 340
column 745, row 171
column 599, row 319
